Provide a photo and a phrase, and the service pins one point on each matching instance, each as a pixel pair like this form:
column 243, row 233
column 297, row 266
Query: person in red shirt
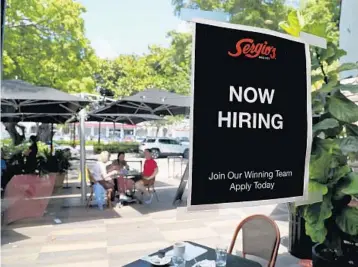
column 150, row 170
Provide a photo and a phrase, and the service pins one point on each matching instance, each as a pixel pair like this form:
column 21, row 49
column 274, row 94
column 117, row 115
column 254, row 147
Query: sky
column 117, row 27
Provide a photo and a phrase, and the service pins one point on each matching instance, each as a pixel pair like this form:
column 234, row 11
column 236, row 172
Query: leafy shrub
column 127, row 147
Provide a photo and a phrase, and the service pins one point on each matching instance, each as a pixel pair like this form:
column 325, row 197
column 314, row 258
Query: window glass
column 164, row 141
column 174, row 142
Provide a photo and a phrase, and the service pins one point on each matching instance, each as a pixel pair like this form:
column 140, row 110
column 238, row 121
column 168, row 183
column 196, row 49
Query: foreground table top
column 232, row 260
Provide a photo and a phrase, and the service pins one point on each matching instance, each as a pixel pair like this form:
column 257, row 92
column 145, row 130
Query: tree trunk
column 44, row 133
column 12, row 128
column 157, row 131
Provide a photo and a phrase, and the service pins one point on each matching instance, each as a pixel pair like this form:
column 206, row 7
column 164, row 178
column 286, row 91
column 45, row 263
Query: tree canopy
column 163, row 68
column 45, row 44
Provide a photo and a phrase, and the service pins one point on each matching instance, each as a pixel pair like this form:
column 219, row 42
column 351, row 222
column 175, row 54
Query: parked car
column 163, row 146
column 75, row 153
column 139, row 139
column 183, row 140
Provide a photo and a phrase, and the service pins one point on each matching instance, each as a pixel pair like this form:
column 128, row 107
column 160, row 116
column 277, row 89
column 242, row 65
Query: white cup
column 179, row 249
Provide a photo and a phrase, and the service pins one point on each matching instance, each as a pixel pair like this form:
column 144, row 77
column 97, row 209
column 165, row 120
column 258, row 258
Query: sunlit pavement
column 121, row 235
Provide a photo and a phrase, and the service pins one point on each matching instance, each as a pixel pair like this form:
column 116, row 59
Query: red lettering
column 248, row 48
column 238, row 47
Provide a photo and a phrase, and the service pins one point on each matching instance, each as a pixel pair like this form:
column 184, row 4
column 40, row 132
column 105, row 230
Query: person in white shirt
column 104, row 178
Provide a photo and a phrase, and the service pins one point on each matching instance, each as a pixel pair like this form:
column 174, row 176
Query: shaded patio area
column 123, row 234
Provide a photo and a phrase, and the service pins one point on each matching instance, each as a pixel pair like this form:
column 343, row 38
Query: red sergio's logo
column 248, row 48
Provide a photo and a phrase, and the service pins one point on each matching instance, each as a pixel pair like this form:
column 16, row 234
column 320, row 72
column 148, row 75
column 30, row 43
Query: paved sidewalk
column 112, row 238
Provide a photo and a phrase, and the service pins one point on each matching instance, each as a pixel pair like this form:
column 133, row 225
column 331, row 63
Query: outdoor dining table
column 232, row 260
column 134, row 176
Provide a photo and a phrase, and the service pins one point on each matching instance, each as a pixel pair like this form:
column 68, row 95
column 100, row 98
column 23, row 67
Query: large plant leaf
column 347, row 66
column 314, row 186
column 320, row 166
column 325, row 124
column 328, row 87
column 315, row 216
column 329, row 145
column 289, row 29
column 347, row 221
column 342, row 108
column 351, row 130
column 316, row 28
column 348, row 145
column 316, row 78
column 351, row 187
column 347, row 186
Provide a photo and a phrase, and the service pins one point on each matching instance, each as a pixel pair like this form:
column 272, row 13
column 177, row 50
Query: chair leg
column 89, row 199
column 155, row 193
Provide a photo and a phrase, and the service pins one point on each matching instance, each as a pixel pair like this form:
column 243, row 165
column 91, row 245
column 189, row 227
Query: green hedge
column 88, row 142
column 127, row 147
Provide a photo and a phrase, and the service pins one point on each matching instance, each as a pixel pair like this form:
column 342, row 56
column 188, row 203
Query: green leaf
column 289, row 29
column 325, row 124
column 347, row 66
column 318, row 29
column 315, row 216
column 347, row 221
column 351, row 185
column 339, row 173
column 347, row 186
column 314, row 186
column 351, row 129
column 328, row 87
column 295, row 20
column 320, row 166
column 348, row 144
column 342, row 108
column 316, row 78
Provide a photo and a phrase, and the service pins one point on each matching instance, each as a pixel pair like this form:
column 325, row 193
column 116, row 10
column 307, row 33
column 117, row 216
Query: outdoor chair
column 260, row 238
column 151, row 188
column 90, row 198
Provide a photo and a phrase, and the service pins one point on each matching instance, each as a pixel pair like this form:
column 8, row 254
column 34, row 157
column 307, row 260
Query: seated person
column 122, row 167
column 103, row 177
column 150, row 170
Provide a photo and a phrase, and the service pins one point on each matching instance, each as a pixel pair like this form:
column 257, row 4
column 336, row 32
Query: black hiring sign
column 251, row 116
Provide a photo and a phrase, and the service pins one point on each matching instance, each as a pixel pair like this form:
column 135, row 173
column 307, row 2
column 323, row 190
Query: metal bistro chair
column 260, row 238
column 90, row 198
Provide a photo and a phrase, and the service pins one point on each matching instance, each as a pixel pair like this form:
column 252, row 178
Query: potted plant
column 333, row 222
column 56, row 164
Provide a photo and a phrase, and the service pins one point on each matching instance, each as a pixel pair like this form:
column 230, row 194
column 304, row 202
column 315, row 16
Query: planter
column 59, row 179
column 322, row 257
column 300, row 244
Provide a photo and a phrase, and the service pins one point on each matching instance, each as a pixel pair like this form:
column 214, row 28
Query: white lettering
column 251, row 94
column 277, row 121
column 266, row 94
column 246, row 94
column 222, row 119
column 243, row 120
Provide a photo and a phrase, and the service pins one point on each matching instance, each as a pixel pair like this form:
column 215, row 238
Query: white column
column 122, row 131
column 82, row 115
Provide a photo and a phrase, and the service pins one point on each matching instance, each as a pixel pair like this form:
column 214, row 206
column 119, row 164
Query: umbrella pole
column 51, row 141
column 82, row 115
column 99, row 133
column 114, row 130
column 74, row 135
